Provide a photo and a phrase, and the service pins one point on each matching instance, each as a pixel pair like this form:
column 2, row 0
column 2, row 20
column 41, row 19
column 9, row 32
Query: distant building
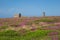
column 17, row 15
column 43, row 14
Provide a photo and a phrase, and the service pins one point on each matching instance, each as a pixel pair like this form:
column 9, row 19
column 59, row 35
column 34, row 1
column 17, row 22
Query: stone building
column 17, row 15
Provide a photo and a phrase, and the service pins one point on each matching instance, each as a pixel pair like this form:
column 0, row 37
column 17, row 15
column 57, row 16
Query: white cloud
column 11, row 10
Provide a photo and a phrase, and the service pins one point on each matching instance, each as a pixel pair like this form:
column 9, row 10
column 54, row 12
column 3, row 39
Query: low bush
column 13, row 35
column 43, row 20
column 3, row 27
column 9, row 33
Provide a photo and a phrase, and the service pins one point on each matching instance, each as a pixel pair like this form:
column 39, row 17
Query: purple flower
column 22, row 24
column 53, row 33
column 55, row 38
column 0, row 24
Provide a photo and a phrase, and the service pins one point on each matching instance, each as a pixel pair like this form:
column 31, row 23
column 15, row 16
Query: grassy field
column 47, row 28
column 28, row 35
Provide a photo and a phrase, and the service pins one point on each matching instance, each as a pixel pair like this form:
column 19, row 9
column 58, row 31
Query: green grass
column 44, row 20
column 3, row 27
column 41, row 20
column 13, row 35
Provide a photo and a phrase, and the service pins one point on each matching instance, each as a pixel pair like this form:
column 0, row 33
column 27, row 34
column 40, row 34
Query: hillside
column 30, row 28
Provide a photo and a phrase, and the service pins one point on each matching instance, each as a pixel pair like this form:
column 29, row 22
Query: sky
column 29, row 8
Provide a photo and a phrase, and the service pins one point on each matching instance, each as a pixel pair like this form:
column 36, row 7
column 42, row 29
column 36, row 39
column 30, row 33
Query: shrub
column 13, row 35
column 3, row 27
column 44, row 20
column 9, row 33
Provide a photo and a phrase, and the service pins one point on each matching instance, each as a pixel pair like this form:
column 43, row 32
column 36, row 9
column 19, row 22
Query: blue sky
column 29, row 7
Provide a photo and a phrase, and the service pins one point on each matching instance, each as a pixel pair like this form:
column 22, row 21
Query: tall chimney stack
column 43, row 14
column 19, row 14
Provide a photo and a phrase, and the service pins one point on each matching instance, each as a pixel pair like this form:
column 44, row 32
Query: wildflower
column 0, row 24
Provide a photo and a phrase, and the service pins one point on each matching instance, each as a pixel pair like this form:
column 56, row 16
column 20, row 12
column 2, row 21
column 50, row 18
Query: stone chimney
column 43, row 14
column 19, row 14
